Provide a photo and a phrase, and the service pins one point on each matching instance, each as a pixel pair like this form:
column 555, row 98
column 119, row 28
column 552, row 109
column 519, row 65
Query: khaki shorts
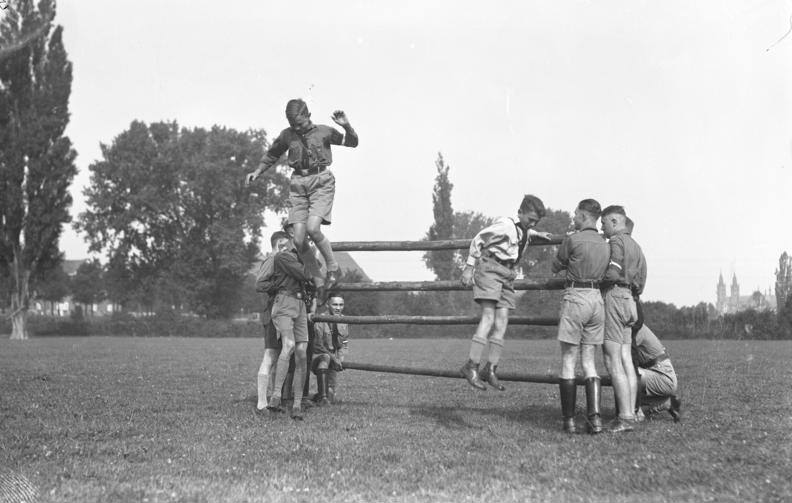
column 620, row 314
column 290, row 318
column 582, row 317
column 660, row 380
column 495, row 282
column 311, row 196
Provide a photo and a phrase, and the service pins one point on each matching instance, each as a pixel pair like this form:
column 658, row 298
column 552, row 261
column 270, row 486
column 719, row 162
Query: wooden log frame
column 440, row 286
column 444, row 244
column 503, row 376
column 393, row 319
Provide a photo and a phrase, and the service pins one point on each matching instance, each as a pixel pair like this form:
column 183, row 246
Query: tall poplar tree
column 36, row 158
column 441, row 262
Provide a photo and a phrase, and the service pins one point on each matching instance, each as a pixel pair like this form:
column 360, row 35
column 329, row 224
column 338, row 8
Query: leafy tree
column 441, row 262
column 87, row 284
column 169, row 208
column 37, row 159
column 52, row 286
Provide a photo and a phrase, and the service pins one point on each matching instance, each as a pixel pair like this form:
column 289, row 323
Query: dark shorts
column 271, row 338
column 495, row 282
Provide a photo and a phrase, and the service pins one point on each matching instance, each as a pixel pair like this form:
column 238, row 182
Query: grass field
column 132, row 419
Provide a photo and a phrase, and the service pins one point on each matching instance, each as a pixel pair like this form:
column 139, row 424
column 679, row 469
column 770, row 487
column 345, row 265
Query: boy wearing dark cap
column 493, row 257
column 312, row 187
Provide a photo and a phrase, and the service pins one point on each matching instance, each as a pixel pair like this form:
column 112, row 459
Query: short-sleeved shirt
column 325, row 343
column 646, row 346
column 504, row 239
column 584, row 255
column 318, row 139
column 627, row 264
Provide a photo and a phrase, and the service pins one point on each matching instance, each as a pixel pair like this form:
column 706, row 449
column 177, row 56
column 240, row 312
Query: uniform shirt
column 501, row 239
column 646, row 346
column 627, row 265
column 318, row 139
column 584, row 255
column 289, row 273
column 325, row 343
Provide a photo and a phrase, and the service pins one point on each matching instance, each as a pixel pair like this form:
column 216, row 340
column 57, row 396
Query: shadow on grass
column 460, row 417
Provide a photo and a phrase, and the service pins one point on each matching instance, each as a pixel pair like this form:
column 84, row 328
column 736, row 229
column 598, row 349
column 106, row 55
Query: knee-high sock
column 326, row 248
column 476, row 348
column 495, row 350
column 297, row 384
column 263, row 378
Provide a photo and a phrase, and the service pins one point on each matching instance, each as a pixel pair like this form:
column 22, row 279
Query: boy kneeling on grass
column 494, row 255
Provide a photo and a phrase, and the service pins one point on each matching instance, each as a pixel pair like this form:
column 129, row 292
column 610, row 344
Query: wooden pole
column 505, row 376
column 394, row 319
column 437, row 286
column 445, row 244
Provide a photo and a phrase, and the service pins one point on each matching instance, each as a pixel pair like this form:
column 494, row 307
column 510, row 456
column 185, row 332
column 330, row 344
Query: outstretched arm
column 350, row 136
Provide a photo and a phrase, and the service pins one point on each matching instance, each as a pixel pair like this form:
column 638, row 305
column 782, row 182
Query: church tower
column 734, row 301
column 720, row 305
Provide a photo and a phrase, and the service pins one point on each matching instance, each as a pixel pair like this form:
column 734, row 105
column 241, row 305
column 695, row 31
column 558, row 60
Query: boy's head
column 629, row 225
column 586, row 214
column 531, row 211
column 336, row 303
column 613, row 220
column 298, row 115
column 280, row 241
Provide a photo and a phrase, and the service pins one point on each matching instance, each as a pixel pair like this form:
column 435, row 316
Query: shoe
column 620, row 425
column 332, row 279
column 470, row 372
column 307, row 404
column 569, row 425
column 296, row 413
column 261, row 412
column 323, row 402
column 487, row 374
column 674, row 410
column 275, row 405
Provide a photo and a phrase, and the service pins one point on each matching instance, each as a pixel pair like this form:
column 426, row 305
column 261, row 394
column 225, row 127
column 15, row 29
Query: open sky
column 675, row 109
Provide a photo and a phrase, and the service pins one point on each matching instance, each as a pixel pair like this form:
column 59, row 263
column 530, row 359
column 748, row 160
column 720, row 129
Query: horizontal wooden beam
column 393, row 319
column 444, row 244
column 503, row 376
column 436, row 286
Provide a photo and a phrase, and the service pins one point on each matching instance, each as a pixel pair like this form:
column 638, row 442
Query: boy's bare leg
column 287, row 341
column 300, row 356
column 306, row 254
column 496, row 348
column 470, row 370
column 323, row 244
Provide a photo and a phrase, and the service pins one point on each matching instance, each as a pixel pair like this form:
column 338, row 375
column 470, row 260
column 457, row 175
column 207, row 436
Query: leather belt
column 296, row 295
column 582, row 284
column 504, row 263
column 309, row 171
column 655, row 361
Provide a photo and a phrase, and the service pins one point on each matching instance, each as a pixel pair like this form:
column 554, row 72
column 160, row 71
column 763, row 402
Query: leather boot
column 488, row 375
column 568, row 390
column 593, row 401
column 321, row 385
column 470, row 372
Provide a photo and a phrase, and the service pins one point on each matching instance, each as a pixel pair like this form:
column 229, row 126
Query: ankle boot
column 488, row 375
column 568, row 390
column 321, row 384
column 470, row 372
column 593, row 401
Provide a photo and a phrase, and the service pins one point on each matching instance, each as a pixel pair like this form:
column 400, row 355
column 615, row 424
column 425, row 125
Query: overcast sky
column 675, row 109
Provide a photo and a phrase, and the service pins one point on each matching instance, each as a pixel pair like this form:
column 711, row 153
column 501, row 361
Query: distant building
column 734, row 302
